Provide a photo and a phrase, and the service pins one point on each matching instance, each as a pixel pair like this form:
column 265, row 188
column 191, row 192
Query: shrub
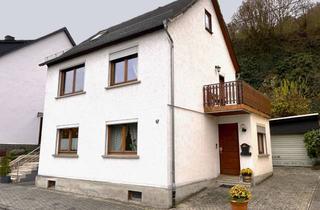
column 17, row 152
column 246, row 172
column 312, row 143
column 5, row 165
column 239, row 193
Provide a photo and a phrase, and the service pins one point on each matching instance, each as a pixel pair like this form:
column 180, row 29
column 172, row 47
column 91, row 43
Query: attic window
column 208, row 21
column 98, row 35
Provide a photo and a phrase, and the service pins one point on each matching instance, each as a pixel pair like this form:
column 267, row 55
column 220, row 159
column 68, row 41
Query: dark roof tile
column 142, row 24
column 7, row 47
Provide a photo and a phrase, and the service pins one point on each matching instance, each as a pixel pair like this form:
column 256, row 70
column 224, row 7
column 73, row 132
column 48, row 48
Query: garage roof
column 295, row 124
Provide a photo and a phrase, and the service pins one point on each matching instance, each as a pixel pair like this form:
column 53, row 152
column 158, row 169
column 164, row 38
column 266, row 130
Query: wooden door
column 229, row 149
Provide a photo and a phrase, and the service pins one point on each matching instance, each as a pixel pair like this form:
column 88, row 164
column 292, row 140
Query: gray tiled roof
column 137, row 26
column 8, row 46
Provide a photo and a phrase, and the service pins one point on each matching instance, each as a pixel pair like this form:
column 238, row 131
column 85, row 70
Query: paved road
column 289, row 188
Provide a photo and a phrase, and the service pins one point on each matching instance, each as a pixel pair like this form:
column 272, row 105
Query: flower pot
column 247, row 179
column 239, row 205
column 5, row 179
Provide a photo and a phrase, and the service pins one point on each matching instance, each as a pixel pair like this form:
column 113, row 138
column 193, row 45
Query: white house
column 22, row 86
column 130, row 113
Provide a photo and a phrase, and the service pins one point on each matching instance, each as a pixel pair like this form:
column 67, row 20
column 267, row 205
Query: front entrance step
column 24, row 177
column 230, row 181
column 25, row 173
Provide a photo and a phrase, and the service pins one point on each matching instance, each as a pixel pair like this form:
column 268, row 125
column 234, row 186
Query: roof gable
column 146, row 23
column 7, row 47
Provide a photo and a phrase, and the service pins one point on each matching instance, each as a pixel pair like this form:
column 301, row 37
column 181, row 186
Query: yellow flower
column 239, row 193
column 246, row 172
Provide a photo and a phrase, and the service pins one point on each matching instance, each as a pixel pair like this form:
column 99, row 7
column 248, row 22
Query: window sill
column 263, row 156
column 123, row 85
column 65, row 155
column 71, row 95
column 120, row 156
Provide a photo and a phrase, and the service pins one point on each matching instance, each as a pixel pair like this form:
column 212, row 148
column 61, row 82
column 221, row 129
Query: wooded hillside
column 277, row 43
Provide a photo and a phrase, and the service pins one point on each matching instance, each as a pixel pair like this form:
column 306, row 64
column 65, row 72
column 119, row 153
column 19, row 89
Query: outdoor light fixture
column 243, row 128
column 218, row 69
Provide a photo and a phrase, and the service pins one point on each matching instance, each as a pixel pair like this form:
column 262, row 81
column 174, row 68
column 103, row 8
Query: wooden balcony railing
column 237, row 96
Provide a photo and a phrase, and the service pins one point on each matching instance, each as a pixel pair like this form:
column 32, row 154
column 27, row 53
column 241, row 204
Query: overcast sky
column 30, row 19
column 33, row 18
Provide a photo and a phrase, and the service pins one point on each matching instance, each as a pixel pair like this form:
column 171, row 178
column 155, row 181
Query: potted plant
column 5, row 169
column 239, row 196
column 246, row 175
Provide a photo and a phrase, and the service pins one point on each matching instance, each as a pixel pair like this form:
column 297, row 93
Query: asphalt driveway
column 289, row 188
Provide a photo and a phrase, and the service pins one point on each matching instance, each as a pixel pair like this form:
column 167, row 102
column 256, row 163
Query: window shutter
column 123, row 53
column 261, row 129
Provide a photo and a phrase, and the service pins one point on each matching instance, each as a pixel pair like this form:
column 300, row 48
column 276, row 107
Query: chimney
column 9, row 38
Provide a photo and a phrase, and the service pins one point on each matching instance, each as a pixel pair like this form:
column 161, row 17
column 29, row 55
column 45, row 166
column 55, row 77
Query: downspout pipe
column 172, row 106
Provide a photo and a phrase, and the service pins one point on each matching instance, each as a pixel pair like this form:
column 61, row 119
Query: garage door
column 289, row 150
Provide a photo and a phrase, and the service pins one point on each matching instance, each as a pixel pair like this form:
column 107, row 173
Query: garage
column 287, row 140
column 288, row 150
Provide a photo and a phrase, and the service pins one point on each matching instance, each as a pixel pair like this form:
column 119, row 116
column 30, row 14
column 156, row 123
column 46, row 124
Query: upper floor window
column 68, row 140
column 122, row 139
column 262, row 142
column 208, row 21
column 72, row 80
column 124, row 70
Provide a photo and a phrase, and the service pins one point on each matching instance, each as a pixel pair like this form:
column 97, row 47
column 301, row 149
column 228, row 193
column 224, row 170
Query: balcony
column 235, row 97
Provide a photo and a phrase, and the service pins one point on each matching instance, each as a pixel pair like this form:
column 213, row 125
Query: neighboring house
column 130, row 114
column 22, row 86
column 287, row 139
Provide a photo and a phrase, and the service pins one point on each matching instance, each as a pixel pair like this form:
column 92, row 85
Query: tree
column 260, row 18
column 288, row 99
column 278, row 40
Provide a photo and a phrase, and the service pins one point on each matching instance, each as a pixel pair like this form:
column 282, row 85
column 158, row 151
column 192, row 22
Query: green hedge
column 5, row 165
column 312, row 143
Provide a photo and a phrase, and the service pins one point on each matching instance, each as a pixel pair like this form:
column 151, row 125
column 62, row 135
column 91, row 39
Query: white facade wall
column 259, row 164
column 22, row 89
column 244, row 137
column 263, row 165
column 197, row 52
column 145, row 103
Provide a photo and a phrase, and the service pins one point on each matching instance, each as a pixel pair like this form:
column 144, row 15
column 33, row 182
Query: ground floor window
column 122, row 139
column 262, row 142
column 68, row 140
